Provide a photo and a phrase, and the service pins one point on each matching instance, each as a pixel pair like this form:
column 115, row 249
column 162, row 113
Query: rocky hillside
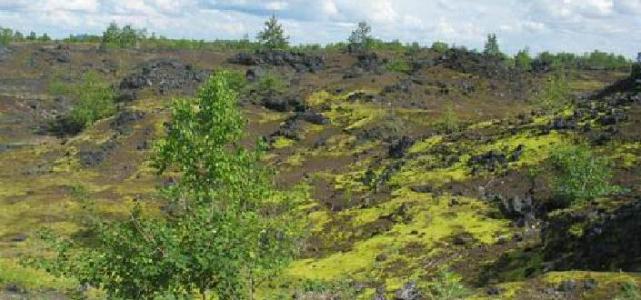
column 422, row 173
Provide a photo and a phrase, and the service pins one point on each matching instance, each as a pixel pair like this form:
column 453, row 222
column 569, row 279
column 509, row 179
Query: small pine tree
column 360, row 39
column 273, row 36
column 492, row 46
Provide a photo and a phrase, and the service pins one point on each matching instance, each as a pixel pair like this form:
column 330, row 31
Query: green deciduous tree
column 440, row 47
column 6, row 36
column 225, row 230
column 360, row 39
column 125, row 37
column 523, row 60
column 273, row 35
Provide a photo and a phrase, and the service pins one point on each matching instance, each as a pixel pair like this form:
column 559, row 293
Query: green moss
column 11, row 272
column 626, row 154
column 426, row 144
column 536, row 147
column 295, row 160
column 432, row 218
column 282, row 142
column 577, row 229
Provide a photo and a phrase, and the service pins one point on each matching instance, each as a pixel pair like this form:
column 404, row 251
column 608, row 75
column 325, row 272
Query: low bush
column 447, row 286
column 399, row 65
column 94, row 100
column 270, row 83
column 629, row 291
column 449, row 121
column 580, row 175
column 555, row 94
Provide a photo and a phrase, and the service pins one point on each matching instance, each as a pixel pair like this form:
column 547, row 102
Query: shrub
column 6, row 36
column 556, row 92
column 125, row 37
column 447, row 286
column 449, row 122
column 398, row 65
column 95, row 100
column 271, row 84
column 580, row 175
column 440, row 47
column 225, row 231
column 629, row 291
column 523, row 60
column 273, row 35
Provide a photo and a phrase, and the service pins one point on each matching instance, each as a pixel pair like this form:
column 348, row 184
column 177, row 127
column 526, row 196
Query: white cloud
column 573, row 25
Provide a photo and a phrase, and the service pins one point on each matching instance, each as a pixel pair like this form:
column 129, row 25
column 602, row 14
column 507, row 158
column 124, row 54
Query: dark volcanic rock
column 162, row 75
column 300, row 62
column 560, row 123
column 93, row 158
column 122, row 122
column 292, row 128
column 490, row 161
column 398, row 147
column 4, row 53
column 369, row 62
column 518, row 208
column 476, row 63
column 402, row 86
column 313, row 117
column 254, row 74
column 408, row 292
column 283, row 103
column 594, row 240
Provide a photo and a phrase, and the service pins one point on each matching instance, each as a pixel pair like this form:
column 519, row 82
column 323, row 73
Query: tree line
column 273, row 36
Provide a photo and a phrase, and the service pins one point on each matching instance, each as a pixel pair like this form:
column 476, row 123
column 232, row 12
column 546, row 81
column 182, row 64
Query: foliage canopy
column 224, row 229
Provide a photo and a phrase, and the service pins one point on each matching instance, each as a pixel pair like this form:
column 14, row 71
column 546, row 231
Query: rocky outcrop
column 163, row 76
column 593, row 239
column 300, row 62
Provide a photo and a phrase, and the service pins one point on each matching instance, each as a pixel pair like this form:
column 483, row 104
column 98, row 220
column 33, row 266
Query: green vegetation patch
column 428, row 222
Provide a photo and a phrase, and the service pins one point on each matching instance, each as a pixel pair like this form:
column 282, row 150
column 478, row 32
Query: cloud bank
column 555, row 25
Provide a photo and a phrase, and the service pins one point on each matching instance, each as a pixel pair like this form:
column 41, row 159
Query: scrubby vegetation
column 125, row 37
column 94, row 99
column 227, row 230
column 364, row 169
column 581, row 175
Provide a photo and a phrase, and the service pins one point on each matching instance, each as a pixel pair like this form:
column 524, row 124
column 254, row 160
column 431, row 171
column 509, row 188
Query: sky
column 552, row 25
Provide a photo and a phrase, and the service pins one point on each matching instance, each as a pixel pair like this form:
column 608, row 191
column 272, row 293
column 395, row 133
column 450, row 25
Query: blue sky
column 555, row 25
